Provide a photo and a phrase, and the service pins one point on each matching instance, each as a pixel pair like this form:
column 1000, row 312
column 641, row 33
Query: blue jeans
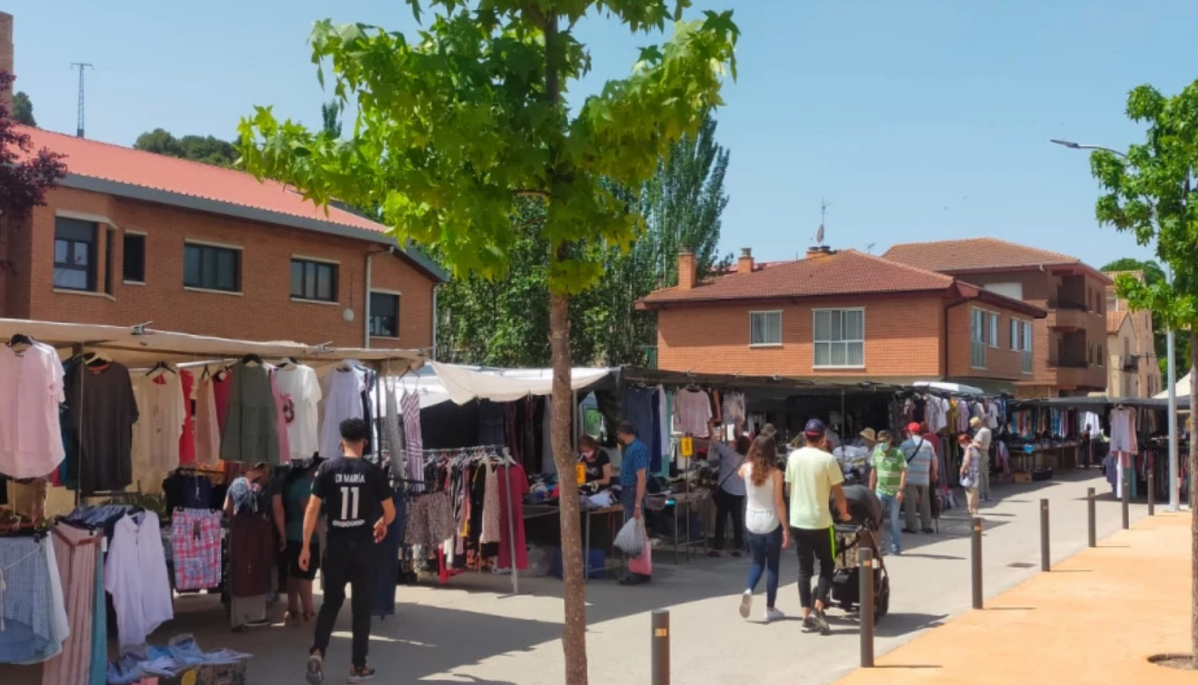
column 765, row 551
column 894, row 507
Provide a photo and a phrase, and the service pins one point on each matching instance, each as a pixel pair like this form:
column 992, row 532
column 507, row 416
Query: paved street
column 470, row 632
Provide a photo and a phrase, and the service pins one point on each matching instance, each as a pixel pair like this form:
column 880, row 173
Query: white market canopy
column 1183, row 389
column 139, row 347
column 464, row 384
column 953, row 388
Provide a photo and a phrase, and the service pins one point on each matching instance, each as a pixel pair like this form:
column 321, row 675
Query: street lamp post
column 1174, row 502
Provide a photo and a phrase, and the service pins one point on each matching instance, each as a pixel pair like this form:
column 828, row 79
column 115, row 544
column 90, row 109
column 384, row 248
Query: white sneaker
column 772, row 615
column 746, row 604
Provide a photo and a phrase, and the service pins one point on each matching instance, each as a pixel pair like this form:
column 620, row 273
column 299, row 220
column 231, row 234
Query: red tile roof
column 1114, row 321
column 93, row 159
column 848, row 272
column 974, row 254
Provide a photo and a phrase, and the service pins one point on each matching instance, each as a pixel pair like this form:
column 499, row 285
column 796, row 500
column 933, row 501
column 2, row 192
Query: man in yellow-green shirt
column 813, row 475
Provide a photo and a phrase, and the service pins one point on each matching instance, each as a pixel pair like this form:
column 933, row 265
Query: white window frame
column 1025, row 349
column 846, row 342
column 977, row 337
column 995, row 319
column 765, row 312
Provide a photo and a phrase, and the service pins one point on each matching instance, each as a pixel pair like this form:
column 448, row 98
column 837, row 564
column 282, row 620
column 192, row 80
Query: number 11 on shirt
column 349, row 513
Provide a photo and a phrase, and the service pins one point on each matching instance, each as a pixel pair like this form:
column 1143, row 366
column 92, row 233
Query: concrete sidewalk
column 1096, row 618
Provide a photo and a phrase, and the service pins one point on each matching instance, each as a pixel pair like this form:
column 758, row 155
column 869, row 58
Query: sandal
column 291, row 618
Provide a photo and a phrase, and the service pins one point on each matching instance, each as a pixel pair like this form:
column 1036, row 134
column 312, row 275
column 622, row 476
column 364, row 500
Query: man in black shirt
column 359, row 507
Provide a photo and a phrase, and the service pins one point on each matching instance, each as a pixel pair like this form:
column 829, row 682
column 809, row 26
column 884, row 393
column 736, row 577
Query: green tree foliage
column 454, row 126
column 22, row 109
column 206, row 149
column 330, row 117
column 1152, row 192
column 488, row 321
column 1154, row 274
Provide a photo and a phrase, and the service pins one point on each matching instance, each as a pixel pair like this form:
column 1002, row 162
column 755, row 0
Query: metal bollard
column 1092, row 516
column 977, row 563
column 661, row 647
column 865, row 560
column 1045, row 555
column 1151, row 492
column 1126, row 495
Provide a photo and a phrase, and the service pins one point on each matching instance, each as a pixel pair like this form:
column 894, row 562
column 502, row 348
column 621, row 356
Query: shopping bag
column 631, row 538
column 643, row 564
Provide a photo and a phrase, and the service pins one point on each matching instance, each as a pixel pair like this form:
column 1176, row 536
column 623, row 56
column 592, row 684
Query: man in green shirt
column 888, row 479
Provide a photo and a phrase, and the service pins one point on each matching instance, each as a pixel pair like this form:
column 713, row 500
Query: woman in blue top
column 296, row 490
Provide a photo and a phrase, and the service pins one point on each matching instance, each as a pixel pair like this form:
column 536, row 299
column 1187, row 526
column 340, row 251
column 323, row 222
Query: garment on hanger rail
column 692, row 412
column 342, row 400
column 30, row 434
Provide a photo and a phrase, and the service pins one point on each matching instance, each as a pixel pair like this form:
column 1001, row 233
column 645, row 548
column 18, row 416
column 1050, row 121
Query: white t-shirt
column 342, row 400
column 30, row 434
column 159, row 423
column 301, row 395
column 692, row 412
column 761, row 515
column 135, row 574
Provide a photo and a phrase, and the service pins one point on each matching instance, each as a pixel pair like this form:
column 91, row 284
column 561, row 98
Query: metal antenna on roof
column 83, row 66
column 823, row 213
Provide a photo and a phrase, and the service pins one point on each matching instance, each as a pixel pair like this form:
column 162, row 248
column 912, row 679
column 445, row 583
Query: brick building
column 844, row 316
column 130, row 237
column 1132, row 368
column 1069, row 344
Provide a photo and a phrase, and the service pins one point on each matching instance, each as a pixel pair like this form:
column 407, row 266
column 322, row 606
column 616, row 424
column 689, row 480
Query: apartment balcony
column 1078, row 374
column 1129, row 362
column 1067, row 319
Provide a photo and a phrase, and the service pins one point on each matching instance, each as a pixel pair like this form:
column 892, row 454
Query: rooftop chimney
column 819, row 252
column 745, row 264
column 686, row 270
column 6, row 56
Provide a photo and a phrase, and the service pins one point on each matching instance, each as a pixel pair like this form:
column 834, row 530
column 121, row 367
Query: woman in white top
column 765, row 510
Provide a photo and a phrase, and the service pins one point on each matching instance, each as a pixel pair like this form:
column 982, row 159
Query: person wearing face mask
column 595, row 463
column 888, row 479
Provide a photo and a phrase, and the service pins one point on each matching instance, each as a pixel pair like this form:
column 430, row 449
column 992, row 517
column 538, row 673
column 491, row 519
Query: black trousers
column 812, row 546
column 347, row 561
column 726, row 504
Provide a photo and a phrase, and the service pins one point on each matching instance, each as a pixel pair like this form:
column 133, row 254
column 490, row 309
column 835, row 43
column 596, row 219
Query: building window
column 74, row 254
column 765, row 328
column 977, row 339
column 311, row 280
column 384, row 315
column 1026, row 348
column 839, row 338
column 211, row 268
column 134, row 266
column 1101, row 360
column 1015, row 335
column 993, row 331
column 108, row 261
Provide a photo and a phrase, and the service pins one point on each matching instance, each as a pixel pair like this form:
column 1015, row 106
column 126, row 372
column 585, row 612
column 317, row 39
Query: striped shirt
column 890, row 465
column 919, row 465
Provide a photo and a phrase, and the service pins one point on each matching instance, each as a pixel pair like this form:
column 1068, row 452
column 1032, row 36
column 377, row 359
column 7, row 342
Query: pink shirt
column 30, row 433
column 281, row 408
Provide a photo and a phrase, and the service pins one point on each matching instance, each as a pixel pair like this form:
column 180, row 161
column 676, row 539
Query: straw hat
column 869, row 435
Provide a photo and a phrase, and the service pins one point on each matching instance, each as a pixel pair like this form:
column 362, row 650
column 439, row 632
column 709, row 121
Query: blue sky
column 917, row 120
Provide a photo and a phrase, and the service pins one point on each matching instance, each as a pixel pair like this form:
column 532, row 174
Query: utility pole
column 83, row 66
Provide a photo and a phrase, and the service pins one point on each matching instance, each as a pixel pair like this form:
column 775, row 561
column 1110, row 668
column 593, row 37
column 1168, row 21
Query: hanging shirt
column 160, row 422
column 135, row 575
column 733, row 408
column 251, row 431
column 342, row 400
column 281, row 414
column 30, row 433
column 301, row 396
column 187, row 441
column 207, row 426
column 692, row 412
column 32, row 609
column 102, row 425
column 1123, row 430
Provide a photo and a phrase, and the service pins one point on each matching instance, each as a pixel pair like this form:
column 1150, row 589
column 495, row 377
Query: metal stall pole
column 977, row 563
column 1045, row 553
column 865, row 562
column 1151, row 491
column 511, row 526
column 1126, row 488
column 1093, row 533
column 660, row 647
